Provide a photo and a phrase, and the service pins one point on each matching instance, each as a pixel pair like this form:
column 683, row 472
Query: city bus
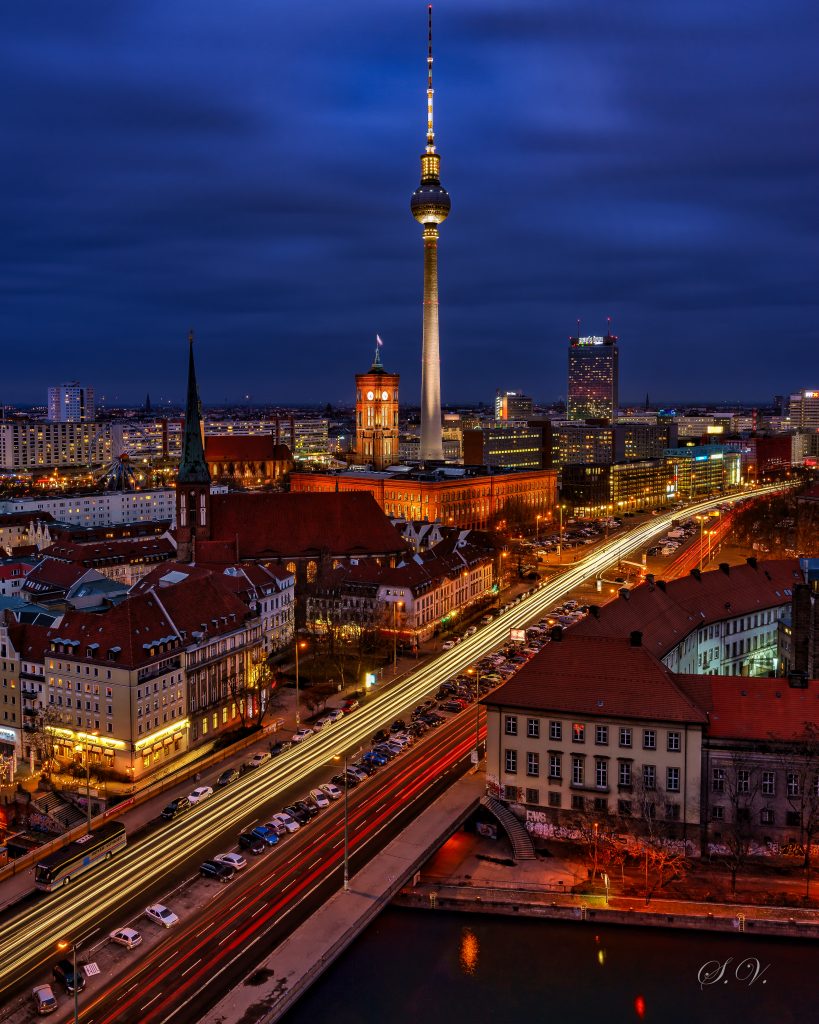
column 60, row 867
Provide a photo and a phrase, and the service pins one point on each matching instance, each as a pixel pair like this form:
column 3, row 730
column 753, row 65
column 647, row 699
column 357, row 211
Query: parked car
column 400, row 739
column 320, row 799
column 356, row 773
column 248, row 841
column 470, row 631
column 300, row 735
column 227, row 776
column 233, row 860
column 267, row 835
column 350, row 704
column 447, row 645
column 380, row 736
column 452, row 705
column 399, row 725
column 332, row 791
column 374, row 758
column 365, row 767
column 217, row 871
column 274, row 825
column 128, row 937
column 64, row 973
column 386, row 751
column 177, row 806
column 322, row 723
column 200, row 794
column 260, row 757
column 161, row 915
column 280, row 746
column 287, row 821
column 344, row 781
column 335, row 714
column 308, row 808
column 418, row 728
column 301, row 816
column 390, row 745
column 44, row 999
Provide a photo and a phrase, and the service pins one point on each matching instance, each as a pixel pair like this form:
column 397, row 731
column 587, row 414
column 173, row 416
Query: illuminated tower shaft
column 431, row 440
column 430, row 206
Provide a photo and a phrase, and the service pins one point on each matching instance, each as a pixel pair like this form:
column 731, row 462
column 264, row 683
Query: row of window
column 742, row 781
column 601, row 733
column 625, row 775
column 599, row 804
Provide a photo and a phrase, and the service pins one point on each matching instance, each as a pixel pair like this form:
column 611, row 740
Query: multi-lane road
column 29, row 931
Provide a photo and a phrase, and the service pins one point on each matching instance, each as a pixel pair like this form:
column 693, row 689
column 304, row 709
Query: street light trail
column 141, row 867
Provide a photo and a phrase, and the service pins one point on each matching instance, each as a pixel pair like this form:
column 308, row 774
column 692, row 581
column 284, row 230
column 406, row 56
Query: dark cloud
column 247, row 168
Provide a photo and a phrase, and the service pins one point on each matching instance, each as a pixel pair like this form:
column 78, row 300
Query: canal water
column 433, row 967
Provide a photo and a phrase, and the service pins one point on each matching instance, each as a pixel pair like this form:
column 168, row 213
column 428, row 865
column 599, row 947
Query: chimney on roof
column 661, row 585
column 751, row 561
column 650, row 580
column 797, row 681
column 635, row 638
column 624, row 593
column 557, row 633
column 594, row 610
column 725, row 567
column 696, row 574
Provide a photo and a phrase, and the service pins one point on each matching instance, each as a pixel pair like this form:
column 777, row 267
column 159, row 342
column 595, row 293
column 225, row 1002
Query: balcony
column 28, row 694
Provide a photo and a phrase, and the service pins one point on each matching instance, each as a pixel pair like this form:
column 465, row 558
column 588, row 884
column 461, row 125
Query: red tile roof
column 53, row 575
column 24, row 518
column 131, row 551
column 742, row 708
column 597, row 677
column 283, row 525
column 131, row 625
column 666, row 616
column 244, row 448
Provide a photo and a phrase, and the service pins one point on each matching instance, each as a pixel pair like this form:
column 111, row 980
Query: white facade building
column 32, row 444
column 71, row 403
column 103, row 509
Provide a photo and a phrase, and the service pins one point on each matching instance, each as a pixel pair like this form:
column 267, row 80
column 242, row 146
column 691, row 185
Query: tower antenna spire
column 430, row 90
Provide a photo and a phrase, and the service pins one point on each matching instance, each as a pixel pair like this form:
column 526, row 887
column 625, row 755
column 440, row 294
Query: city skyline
column 206, row 194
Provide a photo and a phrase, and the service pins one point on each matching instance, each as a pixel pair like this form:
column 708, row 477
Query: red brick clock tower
column 376, row 414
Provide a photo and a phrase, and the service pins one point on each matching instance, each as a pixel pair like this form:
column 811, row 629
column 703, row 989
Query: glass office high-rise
column 593, row 378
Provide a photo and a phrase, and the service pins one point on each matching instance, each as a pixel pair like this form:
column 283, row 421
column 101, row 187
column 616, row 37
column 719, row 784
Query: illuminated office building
column 593, row 378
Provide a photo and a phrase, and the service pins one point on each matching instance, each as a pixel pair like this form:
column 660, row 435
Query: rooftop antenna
column 430, row 130
column 608, row 326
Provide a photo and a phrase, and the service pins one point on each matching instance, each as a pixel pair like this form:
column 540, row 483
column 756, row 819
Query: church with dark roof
column 306, row 533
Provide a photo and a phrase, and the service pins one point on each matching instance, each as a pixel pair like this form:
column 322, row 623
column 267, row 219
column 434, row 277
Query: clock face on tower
column 384, row 396
column 370, row 396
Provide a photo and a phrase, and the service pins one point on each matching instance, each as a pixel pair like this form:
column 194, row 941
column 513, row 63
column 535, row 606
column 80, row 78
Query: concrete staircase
column 522, row 847
column 61, row 813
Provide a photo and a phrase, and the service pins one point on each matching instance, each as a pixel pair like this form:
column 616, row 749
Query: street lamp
column 63, row 946
column 472, row 672
column 395, row 606
column 560, row 538
column 537, row 527
column 594, row 869
column 303, row 645
column 346, row 821
column 88, row 778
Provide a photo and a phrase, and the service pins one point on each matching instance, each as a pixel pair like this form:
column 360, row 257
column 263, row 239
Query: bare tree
column 252, row 686
column 44, row 738
column 737, row 782
column 652, row 831
column 799, row 760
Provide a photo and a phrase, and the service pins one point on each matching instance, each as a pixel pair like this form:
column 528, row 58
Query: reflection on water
column 470, row 947
column 442, row 968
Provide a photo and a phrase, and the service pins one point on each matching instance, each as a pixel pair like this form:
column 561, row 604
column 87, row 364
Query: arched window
column 312, row 572
column 291, row 568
